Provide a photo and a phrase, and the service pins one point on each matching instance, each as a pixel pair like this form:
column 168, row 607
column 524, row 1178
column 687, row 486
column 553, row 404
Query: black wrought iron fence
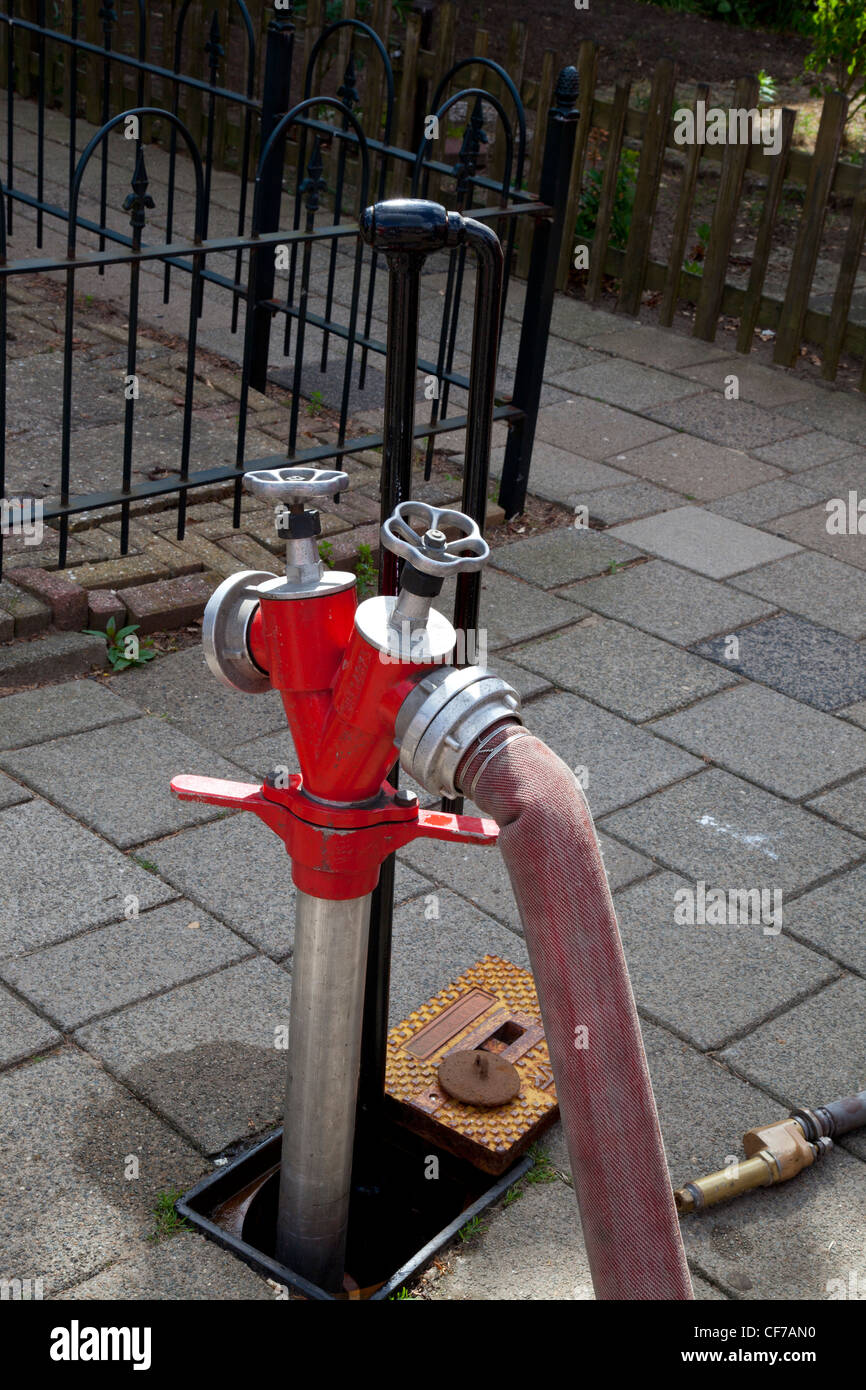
column 317, row 165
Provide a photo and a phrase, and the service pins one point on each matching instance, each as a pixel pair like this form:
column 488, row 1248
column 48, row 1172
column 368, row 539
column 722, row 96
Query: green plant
column 542, row 1169
column 513, row 1195
column 167, row 1222
column 316, row 403
column 326, row 553
column 401, row 1295
column 838, row 53
column 473, row 1228
column 146, row 864
column 623, row 202
column 368, row 575
column 768, row 89
column 699, row 250
column 123, row 648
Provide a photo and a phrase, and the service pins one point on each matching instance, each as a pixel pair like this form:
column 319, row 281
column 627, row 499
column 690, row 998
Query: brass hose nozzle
column 775, row 1153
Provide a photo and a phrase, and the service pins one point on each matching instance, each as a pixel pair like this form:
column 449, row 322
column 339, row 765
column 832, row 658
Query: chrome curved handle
column 432, row 553
column 294, row 486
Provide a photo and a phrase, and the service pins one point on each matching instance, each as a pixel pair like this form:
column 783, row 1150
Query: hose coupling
column 443, row 716
column 774, row 1152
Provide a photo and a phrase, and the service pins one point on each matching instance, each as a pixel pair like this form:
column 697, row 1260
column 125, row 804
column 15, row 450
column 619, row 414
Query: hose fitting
column 444, row 715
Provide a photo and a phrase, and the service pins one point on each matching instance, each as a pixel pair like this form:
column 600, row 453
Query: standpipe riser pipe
column 328, row 971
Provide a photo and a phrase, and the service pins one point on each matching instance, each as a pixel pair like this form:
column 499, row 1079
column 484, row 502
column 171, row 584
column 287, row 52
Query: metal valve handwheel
column 432, row 553
column 294, row 486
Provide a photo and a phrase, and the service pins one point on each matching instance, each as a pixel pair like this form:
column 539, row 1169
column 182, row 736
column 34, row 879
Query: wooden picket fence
column 425, row 49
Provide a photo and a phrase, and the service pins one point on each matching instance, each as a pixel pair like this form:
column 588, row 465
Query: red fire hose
column 605, row 1096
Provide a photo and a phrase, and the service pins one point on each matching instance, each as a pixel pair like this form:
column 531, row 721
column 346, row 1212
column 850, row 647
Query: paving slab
column 657, row 347
column 74, row 707
column 836, row 477
column 736, row 424
column 666, row 601
column 619, row 762
column 830, row 918
column 558, row 475
column 721, row 829
column 429, row 950
column 531, row 1250
column 769, row 739
column 111, row 967
column 590, row 660
column 51, row 658
column 624, row 383
column 803, row 450
column 205, row 1055
column 512, row 609
column 846, row 805
column 694, row 467
column 635, row 499
column 69, row 1133
column 238, row 870
column 782, row 1056
column 810, row 663
column 562, row 555
column 809, row 528
column 11, row 792
column 765, row 502
column 835, row 412
column 119, row 782
column 815, row 586
column 181, row 689
column 698, row 540
column 767, row 386
column 22, row 1032
column 88, row 886
column 185, row 1266
column 528, row 684
column 856, row 713
column 602, row 429
column 747, row 970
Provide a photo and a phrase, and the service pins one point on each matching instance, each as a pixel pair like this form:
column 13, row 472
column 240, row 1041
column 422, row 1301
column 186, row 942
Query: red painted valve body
column 341, row 699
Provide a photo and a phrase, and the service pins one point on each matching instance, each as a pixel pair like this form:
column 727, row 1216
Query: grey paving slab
column 765, row 502
column 657, row 347
column 810, row 663
column 409, row 884
column 119, row 782
column 782, row 1056
column 635, row 499
column 238, row 870
column 59, row 879
column 694, row 467
column 186, row 1266
column 809, row 528
column 11, row 792
column 619, row 762
column 831, row 919
column 22, row 1032
column 747, row 970
column 531, row 1250
column 111, row 967
column 512, row 609
column 50, row 658
column 205, row 1055
column 667, row 602
column 838, row 413
column 720, row 829
column 799, row 1240
column 837, row 476
column 701, row 541
column 262, row 755
column 767, row 386
column 36, row 715
column 558, row 475
column 737, row 424
column 181, row 689
column 528, row 684
column 561, row 555
column 69, row 1132
column 815, row 586
column 803, row 450
column 767, row 738
column 592, row 658
column 857, row 713
column 429, row 950
column 846, row 804
column 600, row 429
column 624, row 383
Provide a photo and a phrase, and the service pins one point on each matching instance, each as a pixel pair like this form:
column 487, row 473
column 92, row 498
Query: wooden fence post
column 607, row 197
column 587, row 69
column 655, row 134
column 764, row 239
column 682, row 219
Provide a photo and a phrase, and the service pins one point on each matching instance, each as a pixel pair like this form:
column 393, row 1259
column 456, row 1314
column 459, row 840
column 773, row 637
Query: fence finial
column 566, row 91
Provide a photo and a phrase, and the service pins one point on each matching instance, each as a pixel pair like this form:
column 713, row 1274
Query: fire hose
column 361, row 684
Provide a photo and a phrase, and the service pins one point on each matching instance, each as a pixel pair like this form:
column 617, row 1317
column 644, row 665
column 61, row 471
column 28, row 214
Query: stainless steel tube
column 328, row 975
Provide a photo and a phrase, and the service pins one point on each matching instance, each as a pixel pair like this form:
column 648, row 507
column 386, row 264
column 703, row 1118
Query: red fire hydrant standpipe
column 360, row 684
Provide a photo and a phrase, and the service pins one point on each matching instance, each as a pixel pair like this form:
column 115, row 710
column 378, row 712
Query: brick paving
column 145, row 947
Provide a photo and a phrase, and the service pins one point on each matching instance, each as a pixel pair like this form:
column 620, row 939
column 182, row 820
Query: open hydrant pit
column 399, row 1216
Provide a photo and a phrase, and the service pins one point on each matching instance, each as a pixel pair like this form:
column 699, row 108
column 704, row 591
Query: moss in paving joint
column 167, row 1221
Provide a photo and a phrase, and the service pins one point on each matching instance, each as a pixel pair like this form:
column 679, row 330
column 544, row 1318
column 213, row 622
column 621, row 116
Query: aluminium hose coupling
column 443, row 715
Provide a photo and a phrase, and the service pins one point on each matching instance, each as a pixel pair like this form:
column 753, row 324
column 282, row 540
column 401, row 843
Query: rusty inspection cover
column 479, row 1078
column 492, row 1009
